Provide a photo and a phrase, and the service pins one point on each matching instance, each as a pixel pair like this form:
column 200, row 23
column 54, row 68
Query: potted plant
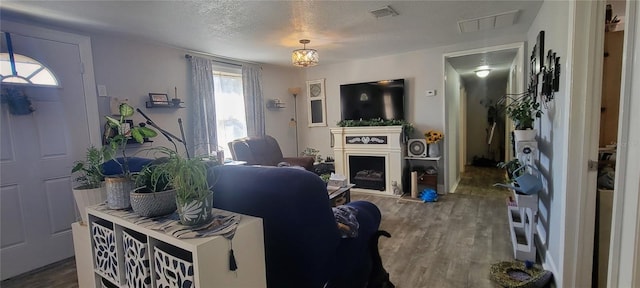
column 194, row 199
column 523, row 113
column 118, row 187
column 433, row 137
column 153, row 195
column 90, row 190
column 510, row 167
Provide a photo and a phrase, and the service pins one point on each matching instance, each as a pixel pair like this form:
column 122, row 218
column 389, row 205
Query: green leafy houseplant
column 154, row 195
column 89, row 171
column 406, row 126
column 90, row 175
column 119, row 188
column 152, row 178
column 523, row 111
column 189, row 178
column 510, row 167
column 119, row 141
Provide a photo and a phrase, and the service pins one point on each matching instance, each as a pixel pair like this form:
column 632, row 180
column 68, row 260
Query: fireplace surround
column 354, row 146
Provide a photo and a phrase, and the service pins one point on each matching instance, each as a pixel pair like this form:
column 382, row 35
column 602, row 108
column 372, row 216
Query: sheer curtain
column 204, row 107
column 254, row 108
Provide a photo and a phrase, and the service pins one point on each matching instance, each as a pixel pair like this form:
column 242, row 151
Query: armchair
column 303, row 246
column 264, row 150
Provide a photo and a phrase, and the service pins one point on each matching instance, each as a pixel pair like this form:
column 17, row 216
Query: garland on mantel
column 406, row 126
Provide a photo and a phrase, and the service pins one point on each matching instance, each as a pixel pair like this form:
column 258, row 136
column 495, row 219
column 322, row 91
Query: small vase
column 433, row 150
column 118, row 189
column 194, row 211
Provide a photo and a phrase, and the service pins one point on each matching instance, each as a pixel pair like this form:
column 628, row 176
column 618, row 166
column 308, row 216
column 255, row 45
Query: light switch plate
column 102, row 91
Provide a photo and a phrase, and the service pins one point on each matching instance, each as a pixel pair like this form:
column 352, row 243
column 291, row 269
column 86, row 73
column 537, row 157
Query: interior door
column 36, row 154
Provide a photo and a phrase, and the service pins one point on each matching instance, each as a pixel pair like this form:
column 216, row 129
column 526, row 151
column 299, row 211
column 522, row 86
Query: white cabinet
column 125, row 254
column 522, row 213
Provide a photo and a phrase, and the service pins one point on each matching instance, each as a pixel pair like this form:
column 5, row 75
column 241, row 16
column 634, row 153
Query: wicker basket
column 153, row 204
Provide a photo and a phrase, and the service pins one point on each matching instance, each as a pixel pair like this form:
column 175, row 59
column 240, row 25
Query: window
column 231, row 118
column 27, row 71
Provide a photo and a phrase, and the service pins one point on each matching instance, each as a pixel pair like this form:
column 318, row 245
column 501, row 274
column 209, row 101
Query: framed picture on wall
column 159, row 99
column 316, row 98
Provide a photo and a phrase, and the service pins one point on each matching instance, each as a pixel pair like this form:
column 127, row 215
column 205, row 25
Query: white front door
column 36, row 155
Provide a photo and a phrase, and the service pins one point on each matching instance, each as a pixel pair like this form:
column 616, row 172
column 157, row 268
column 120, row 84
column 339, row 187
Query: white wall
column 130, row 68
column 482, row 92
column 422, row 70
column 277, row 80
column 552, row 131
column 452, row 141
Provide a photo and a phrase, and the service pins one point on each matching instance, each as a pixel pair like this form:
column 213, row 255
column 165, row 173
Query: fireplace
column 370, row 157
column 367, row 172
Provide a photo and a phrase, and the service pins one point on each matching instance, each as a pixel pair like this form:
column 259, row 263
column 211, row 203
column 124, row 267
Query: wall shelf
column 522, row 211
column 150, row 104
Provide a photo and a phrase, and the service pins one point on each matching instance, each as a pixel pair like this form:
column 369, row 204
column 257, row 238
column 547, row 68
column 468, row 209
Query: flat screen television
column 380, row 99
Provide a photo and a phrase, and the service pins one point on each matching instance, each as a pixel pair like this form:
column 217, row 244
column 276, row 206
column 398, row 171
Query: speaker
column 417, row 148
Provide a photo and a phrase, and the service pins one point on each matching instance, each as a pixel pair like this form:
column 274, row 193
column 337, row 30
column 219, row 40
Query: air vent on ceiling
column 384, row 12
column 488, row 22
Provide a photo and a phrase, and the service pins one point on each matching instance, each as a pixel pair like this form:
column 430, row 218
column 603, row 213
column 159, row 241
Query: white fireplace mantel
column 378, row 141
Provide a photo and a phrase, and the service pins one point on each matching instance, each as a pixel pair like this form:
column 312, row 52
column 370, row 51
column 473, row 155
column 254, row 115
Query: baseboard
column 550, row 265
column 453, row 187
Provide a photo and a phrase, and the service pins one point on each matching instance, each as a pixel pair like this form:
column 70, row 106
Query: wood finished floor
column 449, row 243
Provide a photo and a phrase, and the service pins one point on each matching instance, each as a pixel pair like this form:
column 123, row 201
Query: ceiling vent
column 488, row 22
column 384, row 12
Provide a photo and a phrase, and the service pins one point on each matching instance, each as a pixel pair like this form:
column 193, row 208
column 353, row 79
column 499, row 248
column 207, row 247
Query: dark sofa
column 303, row 247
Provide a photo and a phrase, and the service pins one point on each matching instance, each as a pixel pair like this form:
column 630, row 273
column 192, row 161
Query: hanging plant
column 19, row 103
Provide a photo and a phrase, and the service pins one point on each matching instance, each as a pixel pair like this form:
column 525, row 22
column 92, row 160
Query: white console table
column 197, row 262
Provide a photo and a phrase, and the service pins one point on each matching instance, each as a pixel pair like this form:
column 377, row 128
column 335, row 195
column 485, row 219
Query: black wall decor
column 537, row 54
column 550, row 76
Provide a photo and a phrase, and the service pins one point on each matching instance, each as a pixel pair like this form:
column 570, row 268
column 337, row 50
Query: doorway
column 476, row 125
column 609, row 117
column 38, row 150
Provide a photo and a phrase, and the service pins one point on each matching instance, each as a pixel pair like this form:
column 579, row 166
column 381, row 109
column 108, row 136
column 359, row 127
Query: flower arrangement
column 433, row 136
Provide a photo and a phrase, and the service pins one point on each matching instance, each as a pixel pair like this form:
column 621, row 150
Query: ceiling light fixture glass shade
column 304, row 57
column 483, row 71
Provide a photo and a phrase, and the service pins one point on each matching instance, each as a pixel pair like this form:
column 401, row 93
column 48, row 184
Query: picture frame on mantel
column 316, row 105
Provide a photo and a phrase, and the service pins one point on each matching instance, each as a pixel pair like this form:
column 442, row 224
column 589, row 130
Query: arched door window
column 27, row 71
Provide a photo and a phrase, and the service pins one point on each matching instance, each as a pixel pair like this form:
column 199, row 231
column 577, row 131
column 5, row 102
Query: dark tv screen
column 380, row 99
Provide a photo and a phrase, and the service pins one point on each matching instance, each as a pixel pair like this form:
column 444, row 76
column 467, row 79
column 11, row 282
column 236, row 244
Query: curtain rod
column 224, row 61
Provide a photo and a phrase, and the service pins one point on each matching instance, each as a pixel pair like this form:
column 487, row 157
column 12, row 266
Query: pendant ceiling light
column 304, row 57
column 483, row 71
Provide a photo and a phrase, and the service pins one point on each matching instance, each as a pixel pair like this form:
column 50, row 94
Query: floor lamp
column 294, row 121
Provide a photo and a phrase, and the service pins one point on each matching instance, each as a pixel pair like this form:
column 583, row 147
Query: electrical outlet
column 431, row 92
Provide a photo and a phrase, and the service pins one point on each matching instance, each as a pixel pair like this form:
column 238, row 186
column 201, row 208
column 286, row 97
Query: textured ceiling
column 267, row 31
